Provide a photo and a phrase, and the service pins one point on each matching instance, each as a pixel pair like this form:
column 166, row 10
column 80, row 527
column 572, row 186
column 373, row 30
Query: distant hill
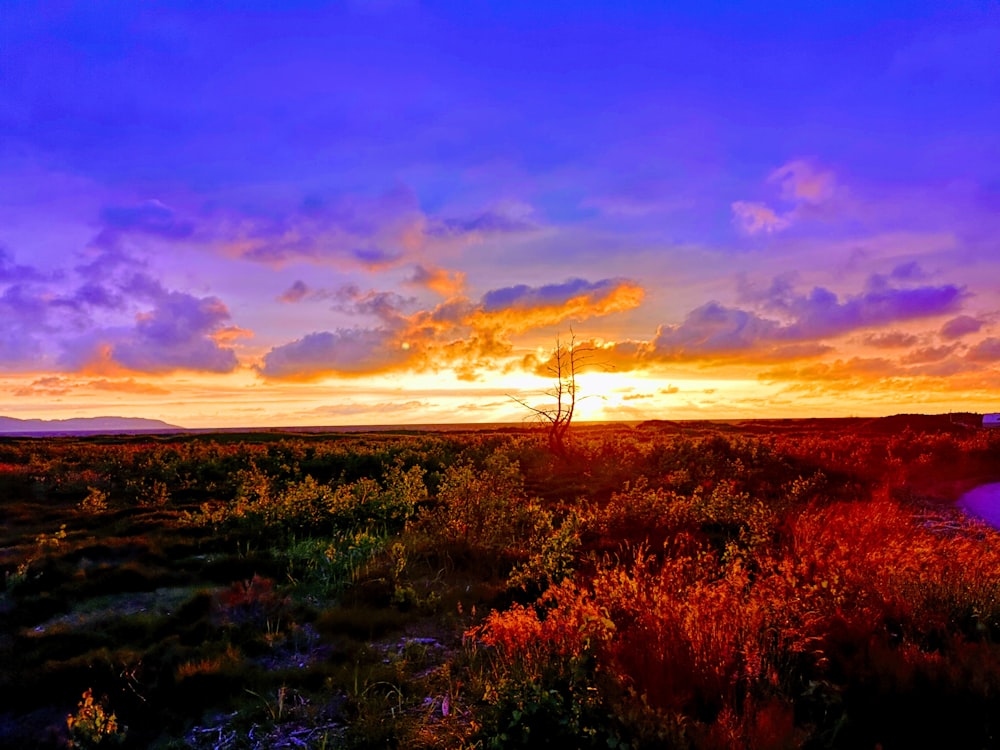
column 93, row 425
column 959, row 422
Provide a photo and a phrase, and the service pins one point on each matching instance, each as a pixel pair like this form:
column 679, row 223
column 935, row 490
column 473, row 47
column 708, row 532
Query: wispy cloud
column 802, row 182
column 57, row 385
column 757, row 218
column 149, row 217
column 352, row 230
column 804, row 190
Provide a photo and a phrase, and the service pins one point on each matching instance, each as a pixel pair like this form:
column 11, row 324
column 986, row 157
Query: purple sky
column 387, row 211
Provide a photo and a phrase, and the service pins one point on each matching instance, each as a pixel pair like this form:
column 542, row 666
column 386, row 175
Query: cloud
column 846, row 376
column 141, row 286
column 928, row 354
column 295, row 293
column 178, row 333
column 890, row 340
column 987, row 350
column 865, row 377
column 960, row 326
column 379, row 408
column 12, row 273
column 376, row 258
column 637, row 396
column 755, row 218
column 37, row 316
column 911, row 271
column 346, row 351
column 487, row 224
column 458, row 333
column 386, row 306
column 803, row 187
column 714, row 331
column 96, row 295
column 51, row 385
column 229, row 334
column 55, row 385
column 519, row 308
column 445, row 283
column 371, row 231
column 105, row 262
column 822, row 314
column 636, row 200
column 375, row 232
column 150, row 217
column 802, row 182
column 25, row 323
column 127, row 386
column 523, row 296
column 778, row 295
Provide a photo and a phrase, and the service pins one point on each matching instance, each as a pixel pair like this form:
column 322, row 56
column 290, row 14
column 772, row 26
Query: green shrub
column 486, row 510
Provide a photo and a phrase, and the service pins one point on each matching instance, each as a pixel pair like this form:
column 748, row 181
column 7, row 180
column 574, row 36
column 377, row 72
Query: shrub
column 93, row 725
column 263, row 508
column 487, row 511
column 540, row 685
column 96, row 501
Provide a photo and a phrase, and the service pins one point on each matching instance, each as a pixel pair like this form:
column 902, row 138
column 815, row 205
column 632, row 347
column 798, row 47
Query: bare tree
column 566, row 362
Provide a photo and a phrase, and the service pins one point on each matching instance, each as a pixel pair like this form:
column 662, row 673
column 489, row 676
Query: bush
column 486, row 511
column 93, row 725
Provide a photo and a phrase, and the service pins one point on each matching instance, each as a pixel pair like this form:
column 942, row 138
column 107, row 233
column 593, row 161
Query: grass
column 803, row 586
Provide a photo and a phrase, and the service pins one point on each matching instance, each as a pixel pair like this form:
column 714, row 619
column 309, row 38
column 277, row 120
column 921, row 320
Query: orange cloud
column 446, row 283
column 127, row 386
column 51, row 385
column 517, row 318
column 230, row 334
column 458, row 333
column 60, row 386
column 101, row 361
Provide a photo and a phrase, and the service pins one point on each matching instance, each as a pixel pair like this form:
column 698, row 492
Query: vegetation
column 761, row 585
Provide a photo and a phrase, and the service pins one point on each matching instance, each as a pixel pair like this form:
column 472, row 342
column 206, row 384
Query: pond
column 983, row 502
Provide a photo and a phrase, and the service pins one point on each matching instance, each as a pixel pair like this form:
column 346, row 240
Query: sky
column 376, row 212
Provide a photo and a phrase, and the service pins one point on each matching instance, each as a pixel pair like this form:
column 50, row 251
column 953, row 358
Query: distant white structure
column 991, row 420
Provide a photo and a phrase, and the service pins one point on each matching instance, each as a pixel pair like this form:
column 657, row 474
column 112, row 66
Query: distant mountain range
column 13, row 426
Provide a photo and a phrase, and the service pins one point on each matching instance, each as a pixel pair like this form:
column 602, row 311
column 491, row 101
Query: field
column 777, row 584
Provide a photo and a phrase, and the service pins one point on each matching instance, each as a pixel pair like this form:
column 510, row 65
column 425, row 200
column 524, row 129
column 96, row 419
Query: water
column 983, row 502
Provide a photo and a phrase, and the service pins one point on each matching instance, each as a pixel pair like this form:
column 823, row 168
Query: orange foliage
column 723, row 639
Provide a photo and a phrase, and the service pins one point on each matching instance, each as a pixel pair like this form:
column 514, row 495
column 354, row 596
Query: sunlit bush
column 485, row 509
column 263, row 507
column 93, row 725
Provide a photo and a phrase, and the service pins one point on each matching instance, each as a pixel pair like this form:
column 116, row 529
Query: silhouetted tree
column 565, row 364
